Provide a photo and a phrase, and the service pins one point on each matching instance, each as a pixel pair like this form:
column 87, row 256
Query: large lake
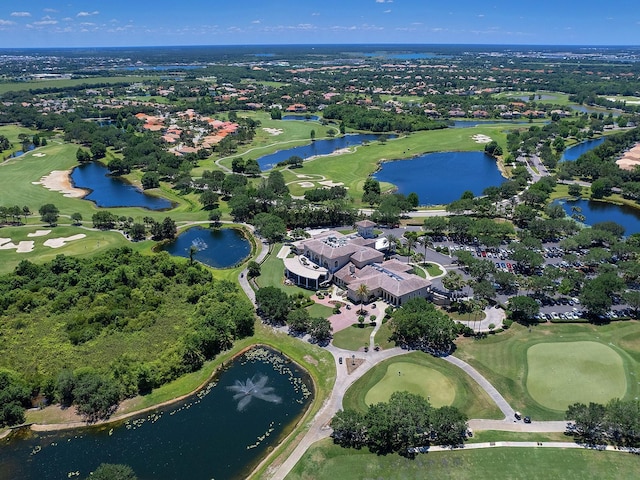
column 572, row 153
column 107, row 191
column 218, row 248
column 596, row 212
column 209, row 435
column 441, row 178
column 319, row 147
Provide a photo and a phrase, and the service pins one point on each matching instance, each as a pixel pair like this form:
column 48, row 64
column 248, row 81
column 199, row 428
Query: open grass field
column 325, row 461
column 560, row 374
column 65, row 83
column 459, row 390
column 508, row 363
column 417, row 379
column 353, row 337
column 319, row 311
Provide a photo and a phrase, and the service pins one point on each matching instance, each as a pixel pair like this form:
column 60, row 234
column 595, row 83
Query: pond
column 441, row 178
column 304, row 118
column 596, row 212
column 572, row 153
column 222, row 432
column 598, row 110
column 107, row 191
column 218, row 248
column 475, row 123
column 318, row 147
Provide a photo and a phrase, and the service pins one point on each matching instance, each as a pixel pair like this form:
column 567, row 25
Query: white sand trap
column 480, row 138
column 330, row 183
column 306, row 184
column 22, row 247
column 273, row 131
column 39, row 233
column 4, row 240
column 39, row 155
column 62, row 241
column 303, row 176
column 60, row 181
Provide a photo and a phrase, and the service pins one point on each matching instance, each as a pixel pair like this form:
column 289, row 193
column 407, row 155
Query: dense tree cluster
column 616, row 423
column 406, row 422
column 419, row 325
column 119, row 293
column 361, row 118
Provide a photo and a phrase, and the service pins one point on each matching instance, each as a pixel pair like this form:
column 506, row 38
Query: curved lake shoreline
column 441, row 177
column 232, row 360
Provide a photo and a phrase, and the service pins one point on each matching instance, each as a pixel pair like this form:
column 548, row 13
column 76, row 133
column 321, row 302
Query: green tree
column 523, row 308
column 273, row 305
column 320, row 330
column 575, row 190
column 110, row 471
column 150, row 180
column 362, row 293
column 95, row 396
column 208, row 199
column 253, row 269
column 77, row 218
column 14, row 397
column 349, row 429
column 49, row 214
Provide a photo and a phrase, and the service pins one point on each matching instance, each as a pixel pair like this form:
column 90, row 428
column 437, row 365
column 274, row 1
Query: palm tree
column 425, row 241
column 410, row 241
column 393, row 242
column 362, row 292
column 192, row 251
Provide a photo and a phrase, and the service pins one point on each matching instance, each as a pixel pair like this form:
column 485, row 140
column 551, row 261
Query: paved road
column 484, row 383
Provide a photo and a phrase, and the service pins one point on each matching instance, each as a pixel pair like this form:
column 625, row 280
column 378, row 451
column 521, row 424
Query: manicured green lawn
column 504, row 360
column 432, row 269
column 325, row 461
column 272, row 274
column 353, row 337
column 467, row 395
column 412, row 378
column 318, row 310
column 382, row 337
column 560, row 374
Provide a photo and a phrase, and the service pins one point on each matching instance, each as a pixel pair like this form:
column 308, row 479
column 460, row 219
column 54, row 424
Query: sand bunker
column 39, row 233
column 480, row 138
column 21, row 247
column 631, row 159
column 329, row 183
column 303, row 176
column 62, row 241
column 273, row 131
column 306, row 184
column 39, row 155
column 60, row 181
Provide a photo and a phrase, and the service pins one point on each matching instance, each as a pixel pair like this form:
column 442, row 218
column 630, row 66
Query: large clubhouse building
column 353, row 260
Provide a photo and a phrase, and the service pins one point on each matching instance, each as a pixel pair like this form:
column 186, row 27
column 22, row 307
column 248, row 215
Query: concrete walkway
column 495, row 316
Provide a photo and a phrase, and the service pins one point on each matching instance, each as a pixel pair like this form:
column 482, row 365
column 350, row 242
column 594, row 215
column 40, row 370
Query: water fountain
column 250, row 389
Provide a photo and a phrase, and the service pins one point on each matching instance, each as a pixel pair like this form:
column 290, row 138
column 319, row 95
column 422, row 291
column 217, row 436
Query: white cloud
column 384, row 1
column 20, row 14
column 387, row 11
column 46, row 22
column 51, row 10
column 257, row 22
column 87, row 14
column 4, row 23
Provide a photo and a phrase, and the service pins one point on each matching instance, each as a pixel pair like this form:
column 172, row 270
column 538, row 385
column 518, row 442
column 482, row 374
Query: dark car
column 527, row 419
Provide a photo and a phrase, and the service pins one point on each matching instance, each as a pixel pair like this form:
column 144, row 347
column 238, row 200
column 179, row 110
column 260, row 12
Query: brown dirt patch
column 352, row 364
column 310, row 359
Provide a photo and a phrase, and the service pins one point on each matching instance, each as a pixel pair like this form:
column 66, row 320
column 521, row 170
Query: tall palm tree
column 425, row 241
column 362, row 292
column 393, row 242
column 410, row 242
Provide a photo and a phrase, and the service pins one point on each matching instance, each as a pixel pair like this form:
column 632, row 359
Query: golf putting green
column 560, row 374
column 423, row 381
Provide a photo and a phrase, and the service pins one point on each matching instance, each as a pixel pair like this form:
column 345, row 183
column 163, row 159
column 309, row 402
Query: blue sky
column 60, row 23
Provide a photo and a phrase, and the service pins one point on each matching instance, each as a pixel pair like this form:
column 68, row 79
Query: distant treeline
column 361, row 118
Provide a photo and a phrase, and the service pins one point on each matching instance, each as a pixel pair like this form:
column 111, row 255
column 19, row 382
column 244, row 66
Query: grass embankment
column 327, row 461
column 462, row 391
column 505, row 360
